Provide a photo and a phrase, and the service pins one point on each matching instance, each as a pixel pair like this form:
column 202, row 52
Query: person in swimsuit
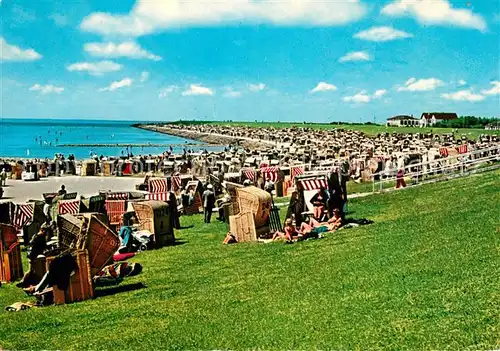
column 319, row 201
column 289, row 231
column 316, row 227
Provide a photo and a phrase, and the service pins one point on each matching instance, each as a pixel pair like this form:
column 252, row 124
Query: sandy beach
column 19, row 191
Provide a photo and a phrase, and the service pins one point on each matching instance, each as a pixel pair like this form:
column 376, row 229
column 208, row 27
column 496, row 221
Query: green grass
column 365, row 128
column 423, row 276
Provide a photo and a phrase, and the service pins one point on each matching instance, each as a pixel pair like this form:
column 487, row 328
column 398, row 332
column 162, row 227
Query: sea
column 35, row 138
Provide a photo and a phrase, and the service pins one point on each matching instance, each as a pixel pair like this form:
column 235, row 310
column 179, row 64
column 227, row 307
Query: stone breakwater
column 209, row 138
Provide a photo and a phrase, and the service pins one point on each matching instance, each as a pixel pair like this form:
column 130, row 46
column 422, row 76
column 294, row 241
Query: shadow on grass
column 119, row 289
column 186, row 227
column 180, row 242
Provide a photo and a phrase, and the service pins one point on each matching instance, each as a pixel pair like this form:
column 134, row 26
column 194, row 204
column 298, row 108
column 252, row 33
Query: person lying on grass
column 314, row 228
column 289, row 231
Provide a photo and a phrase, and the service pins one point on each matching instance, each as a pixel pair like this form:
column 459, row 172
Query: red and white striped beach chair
column 117, row 196
column 270, row 173
column 176, row 182
column 68, row 207
column 22, row 215
column 157, row 189
column 250, row 174
column 296, row 171
column 311, row 186
column 115, row 210
column 463, row 149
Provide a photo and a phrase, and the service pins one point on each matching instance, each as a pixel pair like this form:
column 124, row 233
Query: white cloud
column 364, row 97
column 413, row 84
column 197, row 89
column 463, row 95
column 495, row 90
column 323, row 86
column 360, row 98
column 47, row 89
column 381, row 34
column 379, row 93
column 150, row 16
column 125, row 82
column 167, row 91
column 435, row 12
column 462, row 82
column 144, row 76
column 14, row 53
column 128, row 49
column 95, row 68
column 256, row 87
column 356, row 56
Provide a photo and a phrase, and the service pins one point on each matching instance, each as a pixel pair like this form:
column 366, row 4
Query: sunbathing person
column 289, row 231
column 314, row 227
column 336, row 218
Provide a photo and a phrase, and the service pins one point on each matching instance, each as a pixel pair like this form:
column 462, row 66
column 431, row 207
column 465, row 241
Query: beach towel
column 19, row 306
column 123, row 256
column 114, row 273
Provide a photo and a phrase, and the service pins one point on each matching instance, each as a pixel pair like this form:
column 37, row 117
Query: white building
column 403, row 121
column 493, row 126
column 429, row 119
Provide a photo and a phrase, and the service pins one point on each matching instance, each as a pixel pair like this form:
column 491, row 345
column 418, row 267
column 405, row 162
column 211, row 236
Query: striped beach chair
column 157, row 189
column 23, row 214
column 115, row 210
column 310, row 186
column 270, row 173
column 68, row 207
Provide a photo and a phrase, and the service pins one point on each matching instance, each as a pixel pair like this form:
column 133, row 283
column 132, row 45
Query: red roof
column 439, row 115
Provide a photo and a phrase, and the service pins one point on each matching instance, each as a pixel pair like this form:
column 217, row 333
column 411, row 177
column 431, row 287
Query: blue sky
column 294, row 60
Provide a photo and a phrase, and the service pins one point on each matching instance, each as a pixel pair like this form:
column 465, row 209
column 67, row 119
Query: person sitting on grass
column 37, row 246
column 289, row 231
column 319, row 201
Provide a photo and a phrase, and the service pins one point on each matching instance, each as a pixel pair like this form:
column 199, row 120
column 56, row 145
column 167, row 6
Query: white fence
column 460, row 165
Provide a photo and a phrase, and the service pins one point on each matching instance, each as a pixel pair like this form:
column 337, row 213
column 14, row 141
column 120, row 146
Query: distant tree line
column 468, row 122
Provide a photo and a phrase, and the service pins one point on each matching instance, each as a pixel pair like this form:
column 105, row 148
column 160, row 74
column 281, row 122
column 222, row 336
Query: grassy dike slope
column 369, row 129
column 423, row 276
